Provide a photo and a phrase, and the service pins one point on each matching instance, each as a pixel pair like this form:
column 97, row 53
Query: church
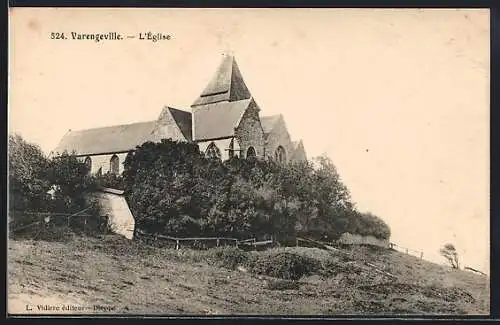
column 224, row 122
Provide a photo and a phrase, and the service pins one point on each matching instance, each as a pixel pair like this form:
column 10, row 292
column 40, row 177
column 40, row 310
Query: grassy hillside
column 110, row 274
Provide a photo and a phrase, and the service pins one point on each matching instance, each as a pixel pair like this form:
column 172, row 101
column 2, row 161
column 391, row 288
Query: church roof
column 122, row 138
column 218, row 120
column 268, row 122
column 226, row 85
column 106, row 139
column 183, row 121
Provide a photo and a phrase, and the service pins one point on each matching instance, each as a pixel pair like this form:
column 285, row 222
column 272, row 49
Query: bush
column 368, row 224
column 284, row 265
column 110, row 180
column 228, row 257
column 45, row 233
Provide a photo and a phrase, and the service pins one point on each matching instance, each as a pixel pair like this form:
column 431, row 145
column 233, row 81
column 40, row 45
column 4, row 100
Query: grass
column 128, row 277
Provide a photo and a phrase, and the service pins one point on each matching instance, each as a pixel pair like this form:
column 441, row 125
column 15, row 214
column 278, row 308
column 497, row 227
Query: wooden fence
column 202, row 242
column 193, row 242
column 305, row 242
column 28, row 221
column 407, row 250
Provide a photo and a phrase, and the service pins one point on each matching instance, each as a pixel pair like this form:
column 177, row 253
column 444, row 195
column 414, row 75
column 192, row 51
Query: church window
column 88, row 164
column 251, row 152
column 114, row 165
column 212, row 151
column 280, row 155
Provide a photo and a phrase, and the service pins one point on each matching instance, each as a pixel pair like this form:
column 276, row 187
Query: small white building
column 112, row 203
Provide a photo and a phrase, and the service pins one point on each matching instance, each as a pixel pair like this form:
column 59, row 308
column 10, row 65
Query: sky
column 397, row 98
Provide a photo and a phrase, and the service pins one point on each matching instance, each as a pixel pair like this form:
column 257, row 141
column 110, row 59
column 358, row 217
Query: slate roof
column 121, row 138
column 106, row 139
column 218, row 120
column 183, row 120
column 226, row 85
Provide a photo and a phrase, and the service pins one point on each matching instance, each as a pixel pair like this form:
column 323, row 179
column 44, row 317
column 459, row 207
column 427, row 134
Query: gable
column 173, row 124
column 268, row 122
column 250, row 118
column 183, row 120
column 276, row 127
column 299, row 151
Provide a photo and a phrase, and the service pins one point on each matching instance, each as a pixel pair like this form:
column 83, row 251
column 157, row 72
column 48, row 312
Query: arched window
column 251, row 152
column 114, row 165
column 88, row 164
column 280, row 155
column 212, row 151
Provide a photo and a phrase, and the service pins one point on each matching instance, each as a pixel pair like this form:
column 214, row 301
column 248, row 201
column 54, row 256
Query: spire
column 226, row 85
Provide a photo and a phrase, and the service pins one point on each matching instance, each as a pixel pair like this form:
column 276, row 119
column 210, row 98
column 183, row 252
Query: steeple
column 226, row 85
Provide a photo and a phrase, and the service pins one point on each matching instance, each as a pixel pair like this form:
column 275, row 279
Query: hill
column 111, row 274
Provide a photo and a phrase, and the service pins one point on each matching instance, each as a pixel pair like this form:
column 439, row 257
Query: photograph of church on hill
column 257, row 161
column 225, row 121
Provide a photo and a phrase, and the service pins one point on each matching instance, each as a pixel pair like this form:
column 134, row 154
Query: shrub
column 368, row 224
column 284, row 265
column 228, row 257
column 44, row 232
column 110, row 180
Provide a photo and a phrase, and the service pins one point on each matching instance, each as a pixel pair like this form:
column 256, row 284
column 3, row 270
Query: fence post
column 297, row 242
column 421, row 255
column 217, row 242
column 406, row 250
column 177, row 244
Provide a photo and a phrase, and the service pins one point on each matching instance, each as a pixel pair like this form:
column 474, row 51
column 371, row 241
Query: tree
column 160, row 180
column 28, row 182
column 173, row 188
column 332, row 199
column 449, row 252
column 71, row 180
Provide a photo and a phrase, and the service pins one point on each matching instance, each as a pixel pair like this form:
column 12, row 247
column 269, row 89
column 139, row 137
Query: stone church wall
column 104, row 162
column 279, row 137
column 249, row 132
column 299, row 154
